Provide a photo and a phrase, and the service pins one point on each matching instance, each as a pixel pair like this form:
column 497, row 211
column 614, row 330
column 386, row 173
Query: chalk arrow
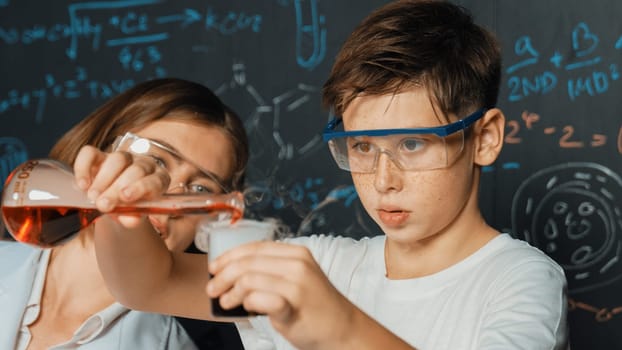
column 188, row 17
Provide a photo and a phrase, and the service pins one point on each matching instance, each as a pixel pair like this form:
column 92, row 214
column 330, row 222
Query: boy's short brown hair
column 410, row 43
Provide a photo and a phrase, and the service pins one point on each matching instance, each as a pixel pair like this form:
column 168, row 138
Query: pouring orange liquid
column 41, row 205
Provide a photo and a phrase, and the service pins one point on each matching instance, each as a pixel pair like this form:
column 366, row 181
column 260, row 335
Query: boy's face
column 410, row 205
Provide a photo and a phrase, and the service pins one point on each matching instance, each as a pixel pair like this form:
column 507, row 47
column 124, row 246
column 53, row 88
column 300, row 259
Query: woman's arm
column 143, row 274
column 139, row 270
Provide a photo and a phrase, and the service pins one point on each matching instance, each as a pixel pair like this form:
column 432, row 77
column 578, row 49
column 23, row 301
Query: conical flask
column 42, row 205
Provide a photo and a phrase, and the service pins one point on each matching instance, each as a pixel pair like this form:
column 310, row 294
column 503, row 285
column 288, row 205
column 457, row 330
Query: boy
column 416, row 86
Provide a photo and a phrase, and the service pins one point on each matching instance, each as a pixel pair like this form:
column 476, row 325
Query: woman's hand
column 284, row 282
column 110, row 179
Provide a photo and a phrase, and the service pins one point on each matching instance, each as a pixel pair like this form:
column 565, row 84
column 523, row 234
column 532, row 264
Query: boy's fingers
column 239, row 273
column 268, row 303
column 268, row 248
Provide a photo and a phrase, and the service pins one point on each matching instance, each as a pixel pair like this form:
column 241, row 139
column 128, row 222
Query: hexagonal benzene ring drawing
column 252, row 109
column 291, row 109
column 278, row 130
column 283, row 132
column 572, row 213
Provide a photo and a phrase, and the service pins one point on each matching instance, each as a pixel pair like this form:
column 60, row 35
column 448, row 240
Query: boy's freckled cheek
column 416, row 180
column 363, row 181
column 366, row 184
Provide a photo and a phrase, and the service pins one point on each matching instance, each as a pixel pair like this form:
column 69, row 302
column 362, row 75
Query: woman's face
column 201, row 146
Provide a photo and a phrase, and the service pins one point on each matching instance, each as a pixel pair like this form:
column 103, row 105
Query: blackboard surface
column 557, row 183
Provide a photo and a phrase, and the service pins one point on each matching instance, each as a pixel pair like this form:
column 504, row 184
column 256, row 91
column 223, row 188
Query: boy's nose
column 388, row 176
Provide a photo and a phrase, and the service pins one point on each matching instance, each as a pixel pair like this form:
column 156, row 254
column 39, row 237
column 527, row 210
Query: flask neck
column 230, row 204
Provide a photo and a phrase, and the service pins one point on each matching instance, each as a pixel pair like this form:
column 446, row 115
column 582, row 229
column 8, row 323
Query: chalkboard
column 556, row 185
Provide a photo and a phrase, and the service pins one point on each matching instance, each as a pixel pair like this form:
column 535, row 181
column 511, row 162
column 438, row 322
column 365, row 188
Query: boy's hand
column 284, row 282
column 110, row 179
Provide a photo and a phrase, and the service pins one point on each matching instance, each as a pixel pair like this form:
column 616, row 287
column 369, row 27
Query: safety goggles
column 168, row 158
column 410, row 149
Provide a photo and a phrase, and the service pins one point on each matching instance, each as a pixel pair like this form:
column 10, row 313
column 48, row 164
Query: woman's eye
column 198, row 188
column 159, row 161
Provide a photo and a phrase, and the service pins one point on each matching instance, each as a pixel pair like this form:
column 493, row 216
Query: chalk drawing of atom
column 572, row 213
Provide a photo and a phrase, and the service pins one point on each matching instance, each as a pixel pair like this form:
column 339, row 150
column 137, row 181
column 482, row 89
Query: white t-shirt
column 507, row 295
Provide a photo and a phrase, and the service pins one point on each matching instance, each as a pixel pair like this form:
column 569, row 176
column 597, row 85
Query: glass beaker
column 216, row 237
column 42, row 205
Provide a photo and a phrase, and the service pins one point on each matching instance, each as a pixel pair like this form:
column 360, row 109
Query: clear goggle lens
column 360, row 154
column 168, row 159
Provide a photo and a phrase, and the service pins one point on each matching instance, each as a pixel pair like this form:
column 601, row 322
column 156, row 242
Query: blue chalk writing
column 81, row 26
column 232, row 22
column 510, row 165
column 523, row 46
column 347, row 194
column 131, row 29
column 138, row 39
column 584, row 42
column 73, row 88
column 12, row 153
column 591, row 75
column 130, row 23
column 594, row 84
column 521, row 87
column 187, row 18
column 583, row 64
column 503, row 166
column 313, row 35
column 34, row 34
column 556, row 59
column 134, row 58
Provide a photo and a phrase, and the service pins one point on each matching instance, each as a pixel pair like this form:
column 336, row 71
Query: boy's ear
column 489, row 137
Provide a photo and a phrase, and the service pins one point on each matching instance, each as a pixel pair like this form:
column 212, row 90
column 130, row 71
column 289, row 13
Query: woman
column 57, row 296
